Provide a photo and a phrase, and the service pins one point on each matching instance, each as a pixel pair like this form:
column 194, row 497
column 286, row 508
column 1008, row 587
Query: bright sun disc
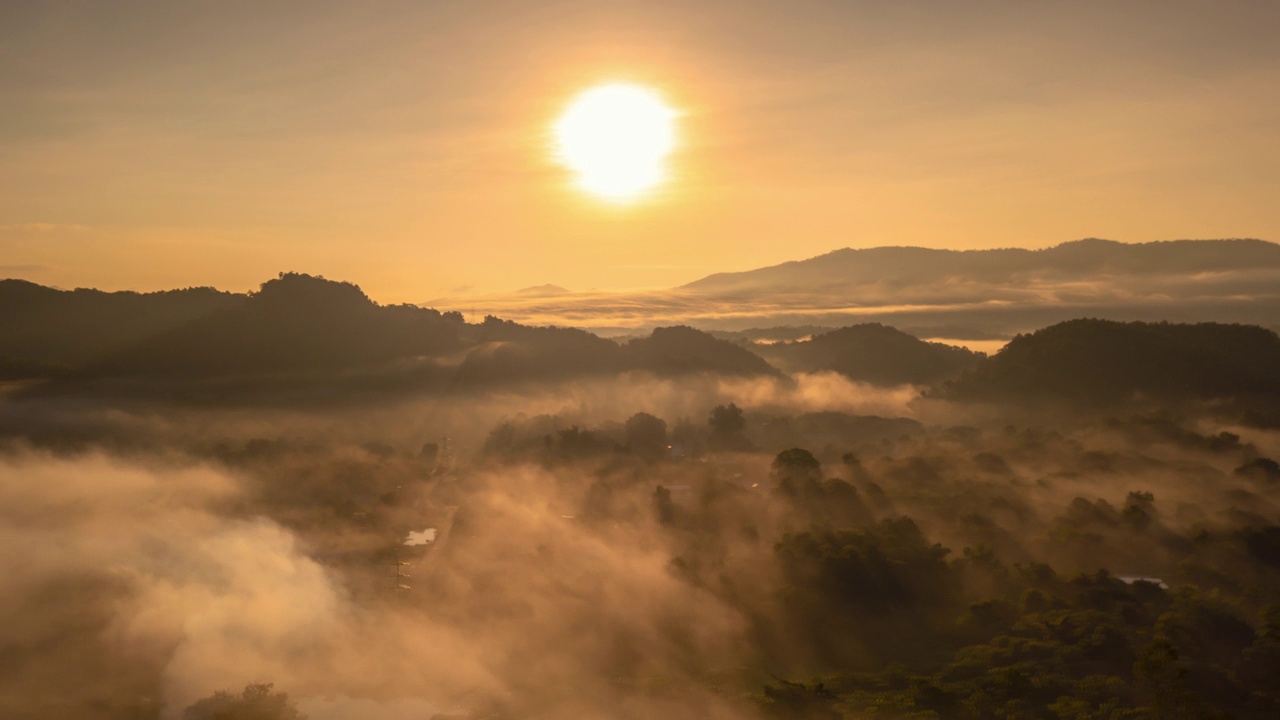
column 615, row 138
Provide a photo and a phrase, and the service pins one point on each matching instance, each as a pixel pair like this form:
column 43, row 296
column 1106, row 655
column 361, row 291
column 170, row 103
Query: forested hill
column 1105, row 362
column 42, row 326
column 293, row 323
column 303, row 329
column 873, row 353
column 307, row 332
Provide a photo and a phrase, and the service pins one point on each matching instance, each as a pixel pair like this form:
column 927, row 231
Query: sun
column 616, row 138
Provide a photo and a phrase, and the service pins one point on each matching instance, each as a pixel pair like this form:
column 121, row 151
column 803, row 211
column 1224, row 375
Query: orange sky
column 404, row 145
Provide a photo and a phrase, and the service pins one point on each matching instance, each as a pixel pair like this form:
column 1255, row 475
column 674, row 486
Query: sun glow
column 616, row 138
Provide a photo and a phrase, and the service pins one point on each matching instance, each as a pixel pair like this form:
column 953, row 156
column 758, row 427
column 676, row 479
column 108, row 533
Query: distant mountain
column 1105, row 362
column 873, row 353
column 542, row 291
column 1086, row 260
column 961, row 294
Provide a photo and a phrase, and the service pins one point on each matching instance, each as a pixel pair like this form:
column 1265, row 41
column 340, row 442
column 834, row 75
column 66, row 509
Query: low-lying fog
column 627, row 548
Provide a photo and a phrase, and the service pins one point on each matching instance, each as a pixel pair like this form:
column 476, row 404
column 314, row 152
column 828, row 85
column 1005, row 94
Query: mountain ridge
column 307, row 337
column 846, row 266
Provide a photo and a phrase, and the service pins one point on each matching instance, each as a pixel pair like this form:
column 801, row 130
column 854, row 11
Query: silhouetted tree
column 797, row 701
column 663, row 507
column 1139, row 507
column 857, row 473
column 1262, row 469
column 795, row 469
column 257, row 702
column 727, row 420
column 646, row 435
column 727, row 428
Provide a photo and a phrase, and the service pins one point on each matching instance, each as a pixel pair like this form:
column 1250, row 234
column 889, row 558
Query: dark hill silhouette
column 294, row 322
column 42, row 329
column 1105, row 362
column 509, row 352
column 681, row 349
column 873, row 353
column 911, row 266
column 299, row 331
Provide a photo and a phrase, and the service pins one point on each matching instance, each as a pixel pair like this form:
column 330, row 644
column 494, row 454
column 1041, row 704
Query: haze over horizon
column 407, row 147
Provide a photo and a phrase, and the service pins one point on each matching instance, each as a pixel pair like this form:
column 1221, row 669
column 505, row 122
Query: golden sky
column 405, row 146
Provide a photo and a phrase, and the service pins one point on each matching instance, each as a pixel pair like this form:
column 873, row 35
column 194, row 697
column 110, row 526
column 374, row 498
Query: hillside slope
column 46, row 327
column 1105, row 362
column 872, row 353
